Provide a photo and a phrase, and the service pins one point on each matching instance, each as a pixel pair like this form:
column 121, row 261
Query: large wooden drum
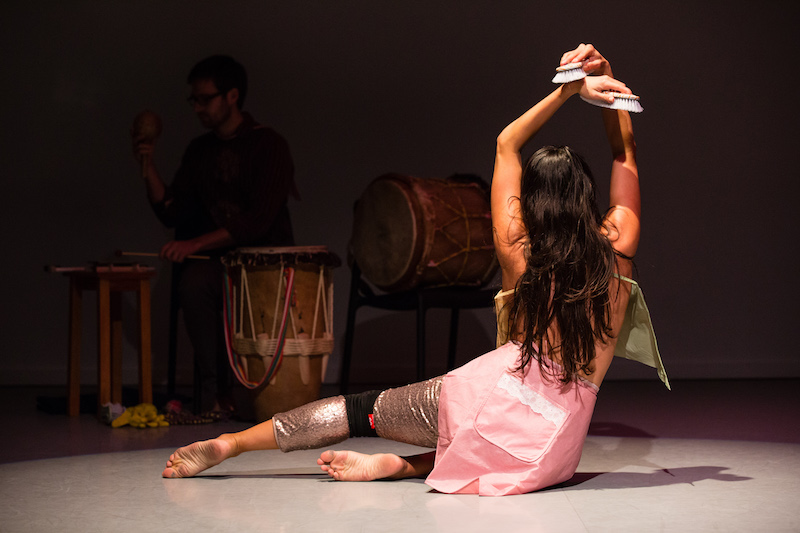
column 279, row 323
column 413, row 232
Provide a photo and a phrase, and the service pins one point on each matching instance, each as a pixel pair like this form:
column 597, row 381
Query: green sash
column 637, row 340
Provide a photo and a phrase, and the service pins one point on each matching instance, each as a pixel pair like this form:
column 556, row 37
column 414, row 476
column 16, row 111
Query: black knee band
column 359, row 413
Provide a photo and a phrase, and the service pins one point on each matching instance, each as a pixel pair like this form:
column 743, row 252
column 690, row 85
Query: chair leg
column 103, row 342
column 421, row 309
column 349, row 334
column 116, row 346
column 74, row 372
column 451, row 345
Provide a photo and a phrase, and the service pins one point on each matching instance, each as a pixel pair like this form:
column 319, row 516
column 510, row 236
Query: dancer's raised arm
column 622, row 220
column 509, row 231
column 621, row 224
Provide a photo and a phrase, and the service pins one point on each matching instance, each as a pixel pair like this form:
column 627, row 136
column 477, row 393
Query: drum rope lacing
column 238, row 363
column 273, row 349
column 460, row 215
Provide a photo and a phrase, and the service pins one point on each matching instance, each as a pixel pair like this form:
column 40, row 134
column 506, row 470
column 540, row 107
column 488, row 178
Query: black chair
column 419, row 300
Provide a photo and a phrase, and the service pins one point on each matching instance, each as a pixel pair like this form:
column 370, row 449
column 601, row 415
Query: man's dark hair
column 225, row 72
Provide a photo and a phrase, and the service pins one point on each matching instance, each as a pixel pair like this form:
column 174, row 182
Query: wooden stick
column 120, row 253
column 59, row 269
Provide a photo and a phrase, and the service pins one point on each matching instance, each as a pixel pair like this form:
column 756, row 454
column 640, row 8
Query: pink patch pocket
column 520, row 420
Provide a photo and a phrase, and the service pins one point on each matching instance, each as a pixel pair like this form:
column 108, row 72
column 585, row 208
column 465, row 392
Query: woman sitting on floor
column 513, row 420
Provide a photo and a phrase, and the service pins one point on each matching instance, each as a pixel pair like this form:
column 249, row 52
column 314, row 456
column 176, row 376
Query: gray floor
column 708, row 456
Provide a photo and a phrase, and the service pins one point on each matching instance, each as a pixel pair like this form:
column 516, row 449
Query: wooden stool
column 109, row 282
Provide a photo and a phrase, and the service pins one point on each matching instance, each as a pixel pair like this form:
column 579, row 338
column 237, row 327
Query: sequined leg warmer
column 406, row 414
column 314, row 425
column 410, row 414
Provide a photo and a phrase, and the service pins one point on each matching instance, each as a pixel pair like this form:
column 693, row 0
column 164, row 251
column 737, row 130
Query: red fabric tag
column 371, row 421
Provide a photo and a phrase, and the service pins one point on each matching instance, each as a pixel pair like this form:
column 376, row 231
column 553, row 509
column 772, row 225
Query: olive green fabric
column 636, row 340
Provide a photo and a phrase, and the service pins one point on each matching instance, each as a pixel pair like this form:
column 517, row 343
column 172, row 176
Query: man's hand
column 143, row 149
column 177, row 251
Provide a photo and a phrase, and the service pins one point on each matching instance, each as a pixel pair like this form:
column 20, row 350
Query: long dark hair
column 569, row 265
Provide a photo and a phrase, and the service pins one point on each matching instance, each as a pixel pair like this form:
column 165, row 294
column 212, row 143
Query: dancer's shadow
column 273, row 473
column 537, row 512
column 632, row 450
column 615, row 429
column 658, row 478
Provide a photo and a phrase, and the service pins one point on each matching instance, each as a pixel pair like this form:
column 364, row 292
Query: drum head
column 385, row 232
column 289, row 255
column 267, row 250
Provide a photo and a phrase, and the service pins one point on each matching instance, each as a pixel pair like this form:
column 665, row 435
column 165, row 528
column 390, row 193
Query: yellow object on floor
column 142, row 416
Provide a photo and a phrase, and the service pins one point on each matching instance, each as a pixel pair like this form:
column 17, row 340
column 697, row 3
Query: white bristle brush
column 622, row 101
column 569, row 72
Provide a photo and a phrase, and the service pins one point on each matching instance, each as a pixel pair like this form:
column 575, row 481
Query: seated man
column 231, row 190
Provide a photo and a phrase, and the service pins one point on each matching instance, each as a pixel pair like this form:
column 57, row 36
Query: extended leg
column 317, row 424
column 406, row 414
column 193, row 459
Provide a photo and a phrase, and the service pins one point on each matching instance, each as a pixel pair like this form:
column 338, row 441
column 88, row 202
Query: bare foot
column 354, row 466
column 193, row 459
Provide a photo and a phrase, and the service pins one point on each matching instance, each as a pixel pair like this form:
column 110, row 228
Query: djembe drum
column 279, row 323
column 413, row 232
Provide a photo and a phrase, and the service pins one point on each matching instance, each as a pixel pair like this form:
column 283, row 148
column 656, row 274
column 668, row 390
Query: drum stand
column 419, row 300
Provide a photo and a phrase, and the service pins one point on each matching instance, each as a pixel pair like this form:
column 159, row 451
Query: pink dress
column 502, row 433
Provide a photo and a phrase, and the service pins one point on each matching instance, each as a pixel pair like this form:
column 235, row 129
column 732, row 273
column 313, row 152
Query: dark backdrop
column 360, row 88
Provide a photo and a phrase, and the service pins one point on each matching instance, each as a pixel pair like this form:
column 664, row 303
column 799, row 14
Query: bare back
column 513, row 262
column 621, row 224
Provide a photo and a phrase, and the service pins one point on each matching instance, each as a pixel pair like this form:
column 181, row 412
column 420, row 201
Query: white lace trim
column 537, row 402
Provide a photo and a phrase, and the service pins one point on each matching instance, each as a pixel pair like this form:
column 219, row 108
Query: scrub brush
column 622, row 101
column 569, row 72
